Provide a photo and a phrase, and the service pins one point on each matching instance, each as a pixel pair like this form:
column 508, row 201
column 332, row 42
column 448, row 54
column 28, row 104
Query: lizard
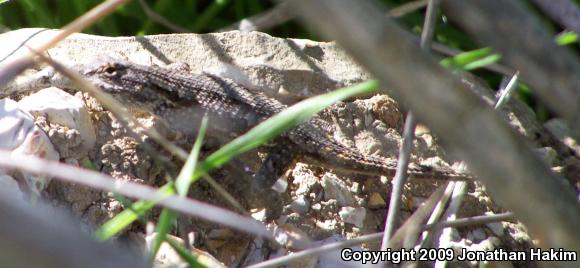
column 180, row 99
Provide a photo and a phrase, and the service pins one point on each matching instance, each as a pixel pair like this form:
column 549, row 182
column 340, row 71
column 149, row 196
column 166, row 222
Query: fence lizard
column 180, row 99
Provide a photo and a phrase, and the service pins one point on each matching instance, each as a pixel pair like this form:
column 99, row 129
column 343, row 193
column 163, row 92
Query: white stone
column 338, row 190
column 352, row 215
column 300, row 204
column 64, row 109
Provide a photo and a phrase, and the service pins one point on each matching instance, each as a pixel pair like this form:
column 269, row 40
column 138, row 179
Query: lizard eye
column 109, row 70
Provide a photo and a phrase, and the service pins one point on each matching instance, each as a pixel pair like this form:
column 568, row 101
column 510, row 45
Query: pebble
column 300, row 204
column 376, row 201
column 353, row 215
column 337, row 189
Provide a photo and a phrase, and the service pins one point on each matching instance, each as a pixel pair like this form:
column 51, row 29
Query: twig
column 102, row 182
column 477, row 220
column 506, row 92
column 408, row 136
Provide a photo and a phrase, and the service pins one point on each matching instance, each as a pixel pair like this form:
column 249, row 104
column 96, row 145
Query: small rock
column 291, row 237
column 352, row 215
column 300, row 204
column 259, row 215
column 316, row 207
column 376, row 201
column 479, row 234
column 330, row 225
column 63, row 109
column 337, row 189
column 496, row 228
column 304, row 178
column 280, row 185
column 355, row 188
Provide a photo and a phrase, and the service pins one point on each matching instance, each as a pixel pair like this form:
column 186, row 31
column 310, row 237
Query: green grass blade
column 182, row 183
column 166, row 220
column 471, row 59
column 567, row 38
column 184, row 254
column 183, row 180
column 128, row 216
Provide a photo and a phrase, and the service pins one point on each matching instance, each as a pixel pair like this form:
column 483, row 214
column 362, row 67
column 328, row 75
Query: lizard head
column 133, row 85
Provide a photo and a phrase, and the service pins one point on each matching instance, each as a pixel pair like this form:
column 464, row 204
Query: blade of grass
column 471, row 59
column 183, row 180
column 184, row 254
column 255, row 137
column 182, row 183
column 481, row 57
column 128, row 216
column 567, row 38
column 166, row 221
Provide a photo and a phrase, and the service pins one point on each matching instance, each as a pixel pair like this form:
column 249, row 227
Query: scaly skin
column 180, row 98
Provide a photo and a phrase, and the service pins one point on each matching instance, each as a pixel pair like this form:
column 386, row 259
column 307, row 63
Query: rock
column 376, row 201
column 496, row 228
column 304, row 178
column 316, row 207
column 337, row 189
column 291, row 237
column 64, row 109
column 479, row 234
column 352, row 215
column 300, row 204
